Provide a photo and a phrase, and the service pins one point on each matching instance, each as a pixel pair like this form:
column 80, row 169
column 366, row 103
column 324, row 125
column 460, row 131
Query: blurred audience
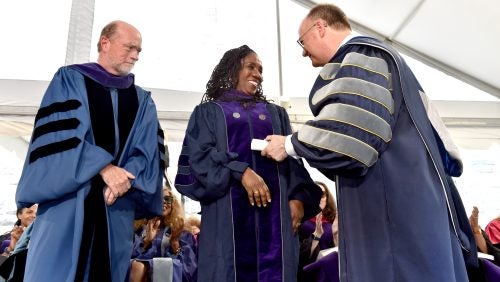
column 484, row 242
column 493, row 231
column 15, row 249
column 318, row 233
column 139, row 228
column 165, row 237
column 193, row 223
column 25, row 216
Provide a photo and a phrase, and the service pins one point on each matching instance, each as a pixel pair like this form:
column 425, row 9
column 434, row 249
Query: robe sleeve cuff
column 299, row 196
column 289, row 147
column 237, row 169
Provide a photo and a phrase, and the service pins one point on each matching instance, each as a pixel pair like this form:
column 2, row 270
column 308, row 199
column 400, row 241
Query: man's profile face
column 121, row 51
column 308, row 40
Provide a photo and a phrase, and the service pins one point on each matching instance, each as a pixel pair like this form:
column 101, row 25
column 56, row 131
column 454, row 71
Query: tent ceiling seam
column 407, row 19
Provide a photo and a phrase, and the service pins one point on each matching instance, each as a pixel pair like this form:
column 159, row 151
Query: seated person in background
column 25, row 217
column 165, row 237
column 483, row 241
column 12, row 269
column 139, row 228
column 193, row 222
column 493, row 231
column 319, row 232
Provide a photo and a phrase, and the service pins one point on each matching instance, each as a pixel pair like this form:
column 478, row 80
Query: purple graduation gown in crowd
column 237, row 241
column 400, row 216
column 88, row 119
column 307, row 257
column 326, row 240
column 184, row 263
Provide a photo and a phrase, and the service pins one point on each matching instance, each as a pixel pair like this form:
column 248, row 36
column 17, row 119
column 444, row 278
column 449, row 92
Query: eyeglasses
column 168, row 200
column 300, row 41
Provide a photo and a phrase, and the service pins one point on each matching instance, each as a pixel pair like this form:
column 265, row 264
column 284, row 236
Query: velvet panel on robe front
column 257, row 231
column 210, row 171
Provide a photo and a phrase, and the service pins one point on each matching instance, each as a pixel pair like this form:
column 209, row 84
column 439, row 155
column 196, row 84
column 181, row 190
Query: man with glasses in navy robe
column 376, row 135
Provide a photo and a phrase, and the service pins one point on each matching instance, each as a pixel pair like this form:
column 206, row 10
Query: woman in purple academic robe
column 251, row 206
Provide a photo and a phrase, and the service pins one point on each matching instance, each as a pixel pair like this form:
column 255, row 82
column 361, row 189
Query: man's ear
column 104, row 41
column 322, row 27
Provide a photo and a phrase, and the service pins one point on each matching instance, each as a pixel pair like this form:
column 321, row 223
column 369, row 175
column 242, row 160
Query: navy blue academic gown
column 400, row 217
column 89, row 118
column 237, row 241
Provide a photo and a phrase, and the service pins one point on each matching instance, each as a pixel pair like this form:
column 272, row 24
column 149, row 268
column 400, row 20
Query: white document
column 325, row 252
column 258, row 144
column 486, row 256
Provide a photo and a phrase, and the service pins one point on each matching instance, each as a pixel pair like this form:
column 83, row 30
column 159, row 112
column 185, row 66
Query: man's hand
column 257, row 190
column 117, row 182
column 275, row 148
column 297, row 213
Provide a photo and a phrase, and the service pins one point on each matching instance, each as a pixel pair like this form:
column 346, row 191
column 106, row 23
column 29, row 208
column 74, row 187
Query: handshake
column 272, row 147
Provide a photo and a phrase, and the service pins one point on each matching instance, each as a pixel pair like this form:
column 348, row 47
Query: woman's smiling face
column 250, row 76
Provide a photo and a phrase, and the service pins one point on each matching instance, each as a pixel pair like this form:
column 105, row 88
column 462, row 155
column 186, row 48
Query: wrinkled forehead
column 127, row 34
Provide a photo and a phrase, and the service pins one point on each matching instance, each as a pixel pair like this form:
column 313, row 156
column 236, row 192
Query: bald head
column 119, row 47
column 110, row 30
column 321, row 33
column 331, row 14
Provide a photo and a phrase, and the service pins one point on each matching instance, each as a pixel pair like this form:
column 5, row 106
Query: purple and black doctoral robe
column 237, row 241
column 400, row 216
column 88, row 119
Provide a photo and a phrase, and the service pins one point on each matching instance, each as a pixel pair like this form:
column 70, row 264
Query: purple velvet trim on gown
column 99, row 74
column 492, row 271
column 324, row 270
column 257, row 231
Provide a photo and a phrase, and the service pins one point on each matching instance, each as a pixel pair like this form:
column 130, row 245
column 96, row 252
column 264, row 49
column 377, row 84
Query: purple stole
column 257, row 231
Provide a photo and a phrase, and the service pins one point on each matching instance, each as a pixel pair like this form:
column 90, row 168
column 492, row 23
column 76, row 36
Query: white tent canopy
column 183, row 40
column 451, row 46
column 456, row 37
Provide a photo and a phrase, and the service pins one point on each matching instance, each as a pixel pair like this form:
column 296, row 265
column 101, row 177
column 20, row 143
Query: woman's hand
column 151, row 230
column 16, row 233
column 476, row 230
column 319, row 225
column 474, row 220
column 335, row 231
column 256, row 188
column 175, row 247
